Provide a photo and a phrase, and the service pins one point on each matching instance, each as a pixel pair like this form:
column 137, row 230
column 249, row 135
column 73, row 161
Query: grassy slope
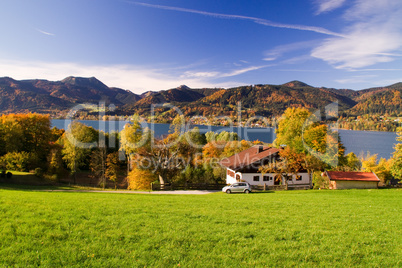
column 295, row 228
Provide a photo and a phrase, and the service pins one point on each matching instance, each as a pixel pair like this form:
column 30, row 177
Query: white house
column 244, row 167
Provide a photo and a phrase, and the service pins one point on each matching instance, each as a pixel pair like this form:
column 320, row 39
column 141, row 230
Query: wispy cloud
column 374, row 36
column 279, row 51
column 43, row 32
column 240, row 17
column 217, row 75
column 135, row 78
column 358, row 79
column 328, row 5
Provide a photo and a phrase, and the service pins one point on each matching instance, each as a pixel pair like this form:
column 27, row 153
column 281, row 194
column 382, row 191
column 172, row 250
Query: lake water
column 375, row 142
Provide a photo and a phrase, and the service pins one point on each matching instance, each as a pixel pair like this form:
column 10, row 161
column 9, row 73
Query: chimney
column 260, row 148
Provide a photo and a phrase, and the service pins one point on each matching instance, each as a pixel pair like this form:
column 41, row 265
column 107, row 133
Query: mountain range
column 57, row 97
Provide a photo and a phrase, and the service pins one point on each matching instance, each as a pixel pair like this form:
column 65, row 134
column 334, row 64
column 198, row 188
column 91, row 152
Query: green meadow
column 344, row 228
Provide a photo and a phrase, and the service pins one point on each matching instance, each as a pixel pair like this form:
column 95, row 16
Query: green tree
column 353, row 162
column 290, row 128
column 19, row 161
column 77, row 144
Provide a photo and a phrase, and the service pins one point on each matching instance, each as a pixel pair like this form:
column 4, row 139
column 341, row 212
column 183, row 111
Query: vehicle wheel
column 247, row 191
column 228, row 191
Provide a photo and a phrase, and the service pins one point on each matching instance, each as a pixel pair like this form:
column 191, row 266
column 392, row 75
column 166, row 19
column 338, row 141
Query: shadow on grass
column 253, row 192
column 263, row 192
column 28, row 181
column 25, row 187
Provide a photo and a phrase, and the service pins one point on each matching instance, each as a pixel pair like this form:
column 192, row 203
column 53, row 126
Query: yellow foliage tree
column 140, row 179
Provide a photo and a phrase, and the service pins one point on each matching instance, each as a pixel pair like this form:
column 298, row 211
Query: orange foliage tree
column 140, row 179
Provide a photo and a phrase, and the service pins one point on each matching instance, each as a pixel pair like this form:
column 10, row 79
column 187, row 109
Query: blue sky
column 160, row 44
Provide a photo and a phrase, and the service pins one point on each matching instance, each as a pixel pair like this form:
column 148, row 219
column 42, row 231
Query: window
column 298, row 178
column 266, row 178
column 288, row 177
column 256, row 178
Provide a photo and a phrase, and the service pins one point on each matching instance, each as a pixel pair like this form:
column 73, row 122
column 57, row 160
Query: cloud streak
column 239, row 17
column 43, row 32
column 217, row 75
column 279, row 51
column 328, row 5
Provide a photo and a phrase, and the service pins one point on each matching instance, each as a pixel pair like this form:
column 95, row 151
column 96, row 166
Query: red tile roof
column 248, row 157
column 352, row 176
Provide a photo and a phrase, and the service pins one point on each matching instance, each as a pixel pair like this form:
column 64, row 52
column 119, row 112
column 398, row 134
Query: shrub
column 140, row 179
column 319, row 181
column 38, row 172
column 19, row 161
column 9, row 175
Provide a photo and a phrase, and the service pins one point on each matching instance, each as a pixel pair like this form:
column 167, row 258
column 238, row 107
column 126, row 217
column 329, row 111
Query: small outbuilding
column 352, row 180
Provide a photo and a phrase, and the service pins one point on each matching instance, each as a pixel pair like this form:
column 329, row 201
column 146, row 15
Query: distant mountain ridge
column 45, row 96
column 54, row 97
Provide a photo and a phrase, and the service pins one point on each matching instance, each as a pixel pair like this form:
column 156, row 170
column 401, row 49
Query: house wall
column 230, row 176
column 249, row 177
column 353, row 185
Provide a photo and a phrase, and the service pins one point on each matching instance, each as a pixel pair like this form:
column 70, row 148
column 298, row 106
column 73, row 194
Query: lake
column 375, row 142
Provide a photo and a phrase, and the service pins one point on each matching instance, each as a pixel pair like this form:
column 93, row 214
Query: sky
column 161, row 44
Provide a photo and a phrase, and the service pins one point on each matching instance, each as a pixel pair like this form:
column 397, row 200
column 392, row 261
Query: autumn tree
column 12, row 134
column 140, row 179
column 396, row 169
column 299, row 130
column 234, row 147
column 162, row 158
column 131, row 138
column 97, row 165
column 290, row 128
column 353, row 162
column 369, row 163
column 290, row 163
column 112, row 167
column 55, row 160
column 383, row 170
column 37, row 134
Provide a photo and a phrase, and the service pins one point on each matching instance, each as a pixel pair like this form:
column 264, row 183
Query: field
column 294, row 228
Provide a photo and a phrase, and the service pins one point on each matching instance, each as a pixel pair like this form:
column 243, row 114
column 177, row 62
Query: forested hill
column 51, row 97
column 55, row 97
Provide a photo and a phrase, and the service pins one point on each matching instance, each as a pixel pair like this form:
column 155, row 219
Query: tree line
column 313, row 146
column 28, row 143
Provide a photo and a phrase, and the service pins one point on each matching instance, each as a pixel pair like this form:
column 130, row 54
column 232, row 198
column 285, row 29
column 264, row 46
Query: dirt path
column 188, row 192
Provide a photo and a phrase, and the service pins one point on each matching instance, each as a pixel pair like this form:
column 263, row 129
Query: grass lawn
column 341, row 228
